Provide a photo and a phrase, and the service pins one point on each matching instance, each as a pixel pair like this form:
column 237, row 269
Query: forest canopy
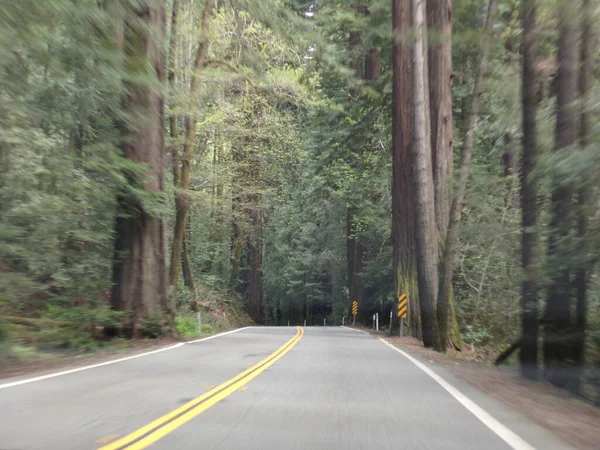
column 276, row 161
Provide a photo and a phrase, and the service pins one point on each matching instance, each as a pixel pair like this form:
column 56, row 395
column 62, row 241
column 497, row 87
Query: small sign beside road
column 402, row 306
column 354, row 311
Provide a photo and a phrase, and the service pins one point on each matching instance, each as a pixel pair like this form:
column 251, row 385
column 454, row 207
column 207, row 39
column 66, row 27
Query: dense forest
column 290, row 157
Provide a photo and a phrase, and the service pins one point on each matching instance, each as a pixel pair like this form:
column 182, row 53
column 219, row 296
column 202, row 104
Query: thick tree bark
column 530, row 257
column 584, row 198
column 403, row 238
column 424, row 202
column 447, row 260
column 557, row 323
column 439, row 21
column 173, row 129
column 354, row 255
column 354, row 249
column 139, row 266
column 181, row 200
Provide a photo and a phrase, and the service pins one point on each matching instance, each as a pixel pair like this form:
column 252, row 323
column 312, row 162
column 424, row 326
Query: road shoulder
column 572, row 421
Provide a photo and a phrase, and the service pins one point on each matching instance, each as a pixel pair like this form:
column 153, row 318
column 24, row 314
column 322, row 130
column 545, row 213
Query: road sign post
column 354, row 311
column 391, row 319
column 402, row 311
column 376, row 321
column 199, row 320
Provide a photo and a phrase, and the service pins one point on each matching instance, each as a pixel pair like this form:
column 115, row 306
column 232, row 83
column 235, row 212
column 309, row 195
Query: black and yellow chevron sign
column 402, row 306
column 354, row 308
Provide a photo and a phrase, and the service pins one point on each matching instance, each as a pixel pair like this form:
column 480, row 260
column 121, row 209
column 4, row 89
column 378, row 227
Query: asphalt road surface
column 262, row 388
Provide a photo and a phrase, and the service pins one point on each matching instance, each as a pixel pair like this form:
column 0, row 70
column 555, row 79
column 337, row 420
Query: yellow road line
column 162, row 426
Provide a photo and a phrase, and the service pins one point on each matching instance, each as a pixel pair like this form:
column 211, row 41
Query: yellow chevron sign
column 402, row 306
column 354, row 308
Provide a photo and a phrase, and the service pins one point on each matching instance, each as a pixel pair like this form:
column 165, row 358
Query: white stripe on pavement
column 114, row 361
column 513, row 440
column 354, row 329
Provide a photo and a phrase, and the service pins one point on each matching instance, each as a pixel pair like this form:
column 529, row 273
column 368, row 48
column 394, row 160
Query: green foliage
column 474, row 336
column 187, row 327
column 68, row 339
column 153, row 327
column 100, row 315
column 278, row 140
column 4, row 333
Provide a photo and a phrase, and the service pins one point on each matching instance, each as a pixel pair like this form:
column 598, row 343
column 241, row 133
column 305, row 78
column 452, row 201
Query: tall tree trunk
column 237, row 201
column 439, row 19
column 218, row 205
column 354, row 255
column 186, row 265
column 174, row 132
column 354, row 249
column 139, row 267
column 584, row 197
column 424, row 202
column 557, row 323
column 403, row 230
column 254, row 246
column 447, row 260
column 530, row 257
column 181, row 200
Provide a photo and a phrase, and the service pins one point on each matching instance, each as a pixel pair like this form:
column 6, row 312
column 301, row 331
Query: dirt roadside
column 57, row 361
column 574, row 421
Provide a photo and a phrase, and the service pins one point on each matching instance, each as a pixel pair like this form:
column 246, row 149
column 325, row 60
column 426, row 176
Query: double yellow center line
column 149, row 434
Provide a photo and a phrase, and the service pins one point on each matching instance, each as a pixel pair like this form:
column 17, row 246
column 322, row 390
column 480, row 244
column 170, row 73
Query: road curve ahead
column 263, row 388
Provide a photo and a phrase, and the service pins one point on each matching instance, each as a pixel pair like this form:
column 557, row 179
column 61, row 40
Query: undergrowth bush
column 475, row 336
column 187, row 327
column 153, row 327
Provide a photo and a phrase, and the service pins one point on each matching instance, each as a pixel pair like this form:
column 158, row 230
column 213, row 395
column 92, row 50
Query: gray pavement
column 335, row 389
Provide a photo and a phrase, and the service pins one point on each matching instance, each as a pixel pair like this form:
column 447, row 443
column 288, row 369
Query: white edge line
column 512, row 439
column 353, row 329
column 114, row 361
column 216, row 335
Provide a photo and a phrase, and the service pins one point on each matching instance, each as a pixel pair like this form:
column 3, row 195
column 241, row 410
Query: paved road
column 324, row 389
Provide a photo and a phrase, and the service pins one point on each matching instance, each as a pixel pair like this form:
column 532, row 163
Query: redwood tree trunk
column 439, row 20
column 403, row 242
column 139, row 266
column 529, row 244
column 424, row 202
column 354, row 255
column 173, row 129
column 557, row 324
column 584, row 199
column 447, row 260
column 353, row 246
